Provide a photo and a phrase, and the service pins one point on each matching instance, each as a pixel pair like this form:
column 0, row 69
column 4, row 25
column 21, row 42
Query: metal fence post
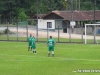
column 47, row 33
column 17, row 30
column 58, row 34
column 7, row 31
column 82, row 32
column 27, row 31
column 69, row 34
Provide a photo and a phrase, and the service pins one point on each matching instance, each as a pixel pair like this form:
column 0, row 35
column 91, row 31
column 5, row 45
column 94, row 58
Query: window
column 49, row 24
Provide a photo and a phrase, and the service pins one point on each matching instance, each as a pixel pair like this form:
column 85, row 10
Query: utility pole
column 94, row 21
column 37, row 23
column 76, row 5
column 72, row 9
column 79, row 5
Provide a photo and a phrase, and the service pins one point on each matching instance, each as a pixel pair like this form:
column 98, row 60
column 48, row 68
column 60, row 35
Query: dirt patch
column 43, row 34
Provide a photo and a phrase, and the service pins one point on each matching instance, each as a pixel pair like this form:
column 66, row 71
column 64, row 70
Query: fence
column 21, row 30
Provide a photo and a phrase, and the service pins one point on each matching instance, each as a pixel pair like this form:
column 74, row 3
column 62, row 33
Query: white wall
column 42, row 24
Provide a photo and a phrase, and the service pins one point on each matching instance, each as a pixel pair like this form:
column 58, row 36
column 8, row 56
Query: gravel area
column 42, row 34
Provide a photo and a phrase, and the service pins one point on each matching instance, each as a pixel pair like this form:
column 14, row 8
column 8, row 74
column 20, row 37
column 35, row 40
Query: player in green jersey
column 33, row 45
column 51, row 44
column 30, row 42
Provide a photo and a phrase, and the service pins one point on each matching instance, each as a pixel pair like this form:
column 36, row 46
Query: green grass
column 4, row 37
column 15, row 59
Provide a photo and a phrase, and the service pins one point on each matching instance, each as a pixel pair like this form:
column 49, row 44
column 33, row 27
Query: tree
column 10, row 9
column 22, row 16
column 88, row 5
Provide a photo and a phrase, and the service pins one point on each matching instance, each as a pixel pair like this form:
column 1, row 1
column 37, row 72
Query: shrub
column 6, row 31
column 0, row 33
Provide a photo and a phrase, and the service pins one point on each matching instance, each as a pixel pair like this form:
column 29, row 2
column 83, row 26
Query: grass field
column 4, row 37
column 70, row 59
column 13, row 38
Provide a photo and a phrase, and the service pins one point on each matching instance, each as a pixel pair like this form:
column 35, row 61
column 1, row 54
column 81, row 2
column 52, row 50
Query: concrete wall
column 42, row 24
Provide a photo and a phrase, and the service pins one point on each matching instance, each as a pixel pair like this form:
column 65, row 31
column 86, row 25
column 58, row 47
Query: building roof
column 35, row 16
column 77, row 15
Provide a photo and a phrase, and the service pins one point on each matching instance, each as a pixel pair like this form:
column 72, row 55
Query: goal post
column 94, row 31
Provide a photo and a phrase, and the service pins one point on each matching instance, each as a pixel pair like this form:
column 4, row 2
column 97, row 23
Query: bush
column 31, row 22
column 0, row 33
column 6, row 31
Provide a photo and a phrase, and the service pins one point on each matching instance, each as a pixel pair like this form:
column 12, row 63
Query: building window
column 49, row 24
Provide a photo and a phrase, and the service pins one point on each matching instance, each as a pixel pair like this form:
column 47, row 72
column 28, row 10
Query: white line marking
column 74, row 71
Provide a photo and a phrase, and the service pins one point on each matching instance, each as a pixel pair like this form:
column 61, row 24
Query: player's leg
column 34, row 49
column 52, row 51
column 31, row 47
column 49, row 51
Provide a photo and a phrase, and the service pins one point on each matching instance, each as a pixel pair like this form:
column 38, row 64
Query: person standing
column 34, row 45
column 30, row 42
column 51, row 45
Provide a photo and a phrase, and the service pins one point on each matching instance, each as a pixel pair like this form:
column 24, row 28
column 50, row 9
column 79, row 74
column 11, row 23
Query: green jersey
column 33, row 43
column 51, row 42
column 30, row 39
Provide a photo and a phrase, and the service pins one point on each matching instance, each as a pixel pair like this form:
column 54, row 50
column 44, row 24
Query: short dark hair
column 30, row 34
column 51, row 37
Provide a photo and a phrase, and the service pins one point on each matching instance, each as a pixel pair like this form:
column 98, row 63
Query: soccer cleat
column 35, row 52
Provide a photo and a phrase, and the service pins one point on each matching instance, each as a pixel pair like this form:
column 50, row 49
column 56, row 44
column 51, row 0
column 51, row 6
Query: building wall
column 58, row 23
column 42, row 24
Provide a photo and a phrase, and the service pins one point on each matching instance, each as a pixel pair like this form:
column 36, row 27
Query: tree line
column 23, row 9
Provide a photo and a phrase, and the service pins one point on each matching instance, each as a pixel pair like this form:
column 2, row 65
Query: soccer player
column 51, row 44
column 33, row 45
column 30, row 42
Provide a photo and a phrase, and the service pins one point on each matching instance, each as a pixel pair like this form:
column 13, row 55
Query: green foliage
column 23, row 9
column 87, row 5
column 1, row 33
column 22, row 16
column 31, row 22
column 6, row 31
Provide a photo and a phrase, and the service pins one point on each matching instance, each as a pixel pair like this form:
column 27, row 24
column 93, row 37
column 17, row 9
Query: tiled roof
column 35, row 16
column 77, row 15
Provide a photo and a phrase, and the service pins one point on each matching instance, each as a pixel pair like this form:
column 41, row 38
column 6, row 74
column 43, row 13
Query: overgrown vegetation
column 6, row 31
column 23, row 9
